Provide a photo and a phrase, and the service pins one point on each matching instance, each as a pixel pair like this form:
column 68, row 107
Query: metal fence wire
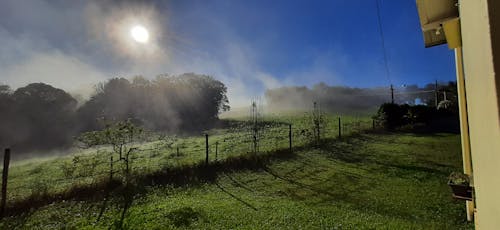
column 87, row 169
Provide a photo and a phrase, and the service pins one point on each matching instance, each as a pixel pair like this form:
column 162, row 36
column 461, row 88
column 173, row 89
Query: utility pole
column 392, row 94
column 436, row 95
column 444, row 94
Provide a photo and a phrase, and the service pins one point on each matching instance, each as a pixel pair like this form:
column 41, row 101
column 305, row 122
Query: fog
column 42, row 118
column 343, row 99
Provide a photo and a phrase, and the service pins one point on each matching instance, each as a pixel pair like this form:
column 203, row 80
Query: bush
column 421, row 114
column 392, row 115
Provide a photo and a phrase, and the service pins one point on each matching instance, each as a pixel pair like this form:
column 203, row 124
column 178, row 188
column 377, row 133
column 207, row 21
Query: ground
column 366, row 181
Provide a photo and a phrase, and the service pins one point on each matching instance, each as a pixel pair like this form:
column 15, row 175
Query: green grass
column 368, row 181
column 39, row 176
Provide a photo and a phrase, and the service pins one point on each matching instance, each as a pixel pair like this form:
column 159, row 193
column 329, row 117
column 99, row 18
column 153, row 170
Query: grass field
column 366, row 181
column 82, row 167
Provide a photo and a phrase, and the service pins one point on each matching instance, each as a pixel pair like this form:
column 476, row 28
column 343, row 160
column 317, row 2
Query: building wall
column 482, row 78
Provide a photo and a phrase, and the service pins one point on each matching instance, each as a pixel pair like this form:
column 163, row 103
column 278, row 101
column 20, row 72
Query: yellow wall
column 482, row 85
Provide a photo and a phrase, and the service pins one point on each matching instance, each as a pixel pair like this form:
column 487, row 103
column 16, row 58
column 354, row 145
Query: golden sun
column 140, row 34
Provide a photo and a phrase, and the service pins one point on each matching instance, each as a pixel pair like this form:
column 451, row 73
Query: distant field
column 365, row 181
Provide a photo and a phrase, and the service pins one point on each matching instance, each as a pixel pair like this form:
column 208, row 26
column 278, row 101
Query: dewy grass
column 367, row 181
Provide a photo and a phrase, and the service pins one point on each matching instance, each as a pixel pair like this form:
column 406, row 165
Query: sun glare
column 139, row 34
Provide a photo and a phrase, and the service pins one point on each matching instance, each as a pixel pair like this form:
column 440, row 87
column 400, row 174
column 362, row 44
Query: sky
column 248, row 45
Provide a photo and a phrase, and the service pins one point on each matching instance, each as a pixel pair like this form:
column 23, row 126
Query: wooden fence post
column 216, row 149
column 5, row 175
column 290, row 136
column 340, row 128
column 206, row 148
column 373, row 123
column 177, row 150
column 111, row 168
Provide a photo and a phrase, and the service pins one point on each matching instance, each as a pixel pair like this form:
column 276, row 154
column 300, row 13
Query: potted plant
column 460, row 186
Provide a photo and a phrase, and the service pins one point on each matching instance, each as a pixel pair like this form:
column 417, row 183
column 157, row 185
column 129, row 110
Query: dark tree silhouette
column 187, row 102
column 37, row 116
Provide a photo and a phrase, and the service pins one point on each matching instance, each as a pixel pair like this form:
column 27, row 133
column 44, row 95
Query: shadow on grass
column 235, row 197
column 183, row 217
column 128, row 198
column 299, row 184
column 237, row 183
column 200, row 173
column 195, row 174
column 408, row 168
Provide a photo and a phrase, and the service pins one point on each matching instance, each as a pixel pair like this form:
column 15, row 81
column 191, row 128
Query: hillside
column 377, row 180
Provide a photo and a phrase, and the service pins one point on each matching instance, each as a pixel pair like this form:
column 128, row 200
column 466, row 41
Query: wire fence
column 87, row 169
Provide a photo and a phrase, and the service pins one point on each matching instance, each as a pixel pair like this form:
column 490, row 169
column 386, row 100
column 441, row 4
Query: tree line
column 41, row 117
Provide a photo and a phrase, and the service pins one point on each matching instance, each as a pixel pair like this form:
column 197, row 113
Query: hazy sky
column 249, row 45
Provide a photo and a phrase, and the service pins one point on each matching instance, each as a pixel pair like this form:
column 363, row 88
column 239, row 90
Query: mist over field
column 151, row 114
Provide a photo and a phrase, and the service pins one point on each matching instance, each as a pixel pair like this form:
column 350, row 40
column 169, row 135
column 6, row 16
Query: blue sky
column 249, row 45
column 341, row 36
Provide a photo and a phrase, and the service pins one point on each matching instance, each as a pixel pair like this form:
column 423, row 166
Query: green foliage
column 459, row 178
column 392, row 115
column 116, row 134
column 120, row 136
column 68, row 169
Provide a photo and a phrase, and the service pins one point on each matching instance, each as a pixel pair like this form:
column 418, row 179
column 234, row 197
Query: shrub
column 421, row 114
column 391, row 116
column 459, row 178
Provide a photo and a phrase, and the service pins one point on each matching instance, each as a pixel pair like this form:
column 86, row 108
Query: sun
column 140, row 34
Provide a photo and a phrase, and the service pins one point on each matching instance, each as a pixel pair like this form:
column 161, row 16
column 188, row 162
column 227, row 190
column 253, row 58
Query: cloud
column 55, row 68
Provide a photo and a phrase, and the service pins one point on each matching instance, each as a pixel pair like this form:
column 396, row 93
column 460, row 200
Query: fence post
column 5, row 175
column 177, row 150
column 206, row 148
column 290, row 136
column 340, row 128
column 111, row 169
column 216, row 149
column 373, row 123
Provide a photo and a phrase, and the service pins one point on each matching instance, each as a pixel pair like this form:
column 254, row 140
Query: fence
column 216, row 145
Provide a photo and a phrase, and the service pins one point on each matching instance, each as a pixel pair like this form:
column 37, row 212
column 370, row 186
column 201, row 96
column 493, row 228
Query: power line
column 383, row 42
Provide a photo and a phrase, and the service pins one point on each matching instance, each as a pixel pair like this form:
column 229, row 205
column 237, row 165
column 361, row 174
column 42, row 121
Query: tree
column 120, row 136
column 188, row 102
column 42, row 117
